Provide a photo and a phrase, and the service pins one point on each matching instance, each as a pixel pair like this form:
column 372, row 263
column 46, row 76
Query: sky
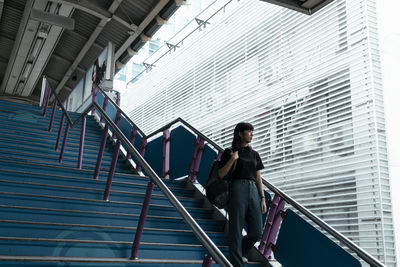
column 389, row 37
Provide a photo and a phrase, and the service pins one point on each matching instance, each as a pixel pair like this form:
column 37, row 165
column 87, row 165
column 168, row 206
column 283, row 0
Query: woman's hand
column 222, row 172
column 235, row 155
column 263, row 206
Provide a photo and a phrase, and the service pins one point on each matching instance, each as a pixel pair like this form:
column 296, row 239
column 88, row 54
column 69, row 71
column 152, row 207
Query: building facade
column 311, row 86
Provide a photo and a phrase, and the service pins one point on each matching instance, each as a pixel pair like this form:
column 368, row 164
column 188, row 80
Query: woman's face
column 247, row 135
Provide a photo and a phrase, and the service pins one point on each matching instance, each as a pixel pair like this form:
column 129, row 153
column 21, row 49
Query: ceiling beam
column 156, row 10
column 81, row 36
column 67, row 62
column 91, row 8
column 54, row 81
column 89, row 42
column 22, row 44
column 87, row 6
column 43, row 56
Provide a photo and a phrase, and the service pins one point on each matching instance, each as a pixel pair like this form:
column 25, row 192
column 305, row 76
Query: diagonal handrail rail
column 179, row 119
column 368, row 258
column 204, row 239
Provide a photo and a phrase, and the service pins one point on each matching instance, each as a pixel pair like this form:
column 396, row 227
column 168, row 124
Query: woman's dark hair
column 240, row 127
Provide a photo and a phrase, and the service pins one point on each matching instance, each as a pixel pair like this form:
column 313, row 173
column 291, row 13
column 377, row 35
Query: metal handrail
column 368, row 258
column 201, row 235
column 121, row 111
column 207, row 243
column 70, row 122
column 219, row 148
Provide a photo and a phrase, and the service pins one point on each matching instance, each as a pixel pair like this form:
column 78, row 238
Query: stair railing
column 273, row 221
column 276, row 205
column 207, row 243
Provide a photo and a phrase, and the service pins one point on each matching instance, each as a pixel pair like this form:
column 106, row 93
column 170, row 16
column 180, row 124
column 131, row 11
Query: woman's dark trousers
column 244, row 206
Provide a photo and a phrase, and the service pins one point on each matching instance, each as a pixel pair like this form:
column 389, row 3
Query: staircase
column 54, row 214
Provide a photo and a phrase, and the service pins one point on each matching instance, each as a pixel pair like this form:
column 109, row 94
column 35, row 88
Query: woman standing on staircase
column 247, row 201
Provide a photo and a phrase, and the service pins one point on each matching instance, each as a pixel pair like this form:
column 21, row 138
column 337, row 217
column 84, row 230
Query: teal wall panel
column 299, row 244
column 181, row 151
column 153, row 155
column 207, row 158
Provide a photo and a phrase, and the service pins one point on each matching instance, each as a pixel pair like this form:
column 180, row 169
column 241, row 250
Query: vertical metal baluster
column 142, row 151
column 53, row 112
column 64, row 142
column 165, row 153
column 112, row 170
column 59, row 131
column 142, row 219
column 132, row 140
column 101, row 152
column 82, row 142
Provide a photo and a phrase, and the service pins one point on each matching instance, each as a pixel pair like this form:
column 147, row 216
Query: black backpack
column 217, row 189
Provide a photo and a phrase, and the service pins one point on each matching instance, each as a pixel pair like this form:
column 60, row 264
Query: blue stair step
column 45, row 201
column 96, row 262
column 121, row 166
column 9, row 228
column 106, row 218
column 72, row 246
column 64, row 180
column 89, row 193
column 55, row 210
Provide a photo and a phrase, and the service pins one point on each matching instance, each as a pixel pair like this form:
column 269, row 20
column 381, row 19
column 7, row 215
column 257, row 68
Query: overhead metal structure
column 308, row 7
column 62, row 38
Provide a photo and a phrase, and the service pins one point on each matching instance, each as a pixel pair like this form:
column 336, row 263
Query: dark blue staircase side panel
column 300, row 244
column 99, row 100
column 111, row 111
column 181, row 151
column 126, row 128
column 153, row 155
column 207, row 158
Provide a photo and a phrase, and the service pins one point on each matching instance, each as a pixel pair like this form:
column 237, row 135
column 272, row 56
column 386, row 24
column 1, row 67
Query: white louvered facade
column 311, row 86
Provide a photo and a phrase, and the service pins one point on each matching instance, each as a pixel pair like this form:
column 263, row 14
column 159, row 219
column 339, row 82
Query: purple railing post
column 143, row 146
column 207, row 261
column 94, row 97
column 116, row 121
column 101, row 152
column 105, row 102
column 271, row 225
column 46, row 102
column 275, row 228
column 268, row 223
column 132, row 140
column 53, row 112
column 64, row 141
column 59, row 131
column 112, row 170
column 142, row 219
column 82, row 142
column 195, row 164
column 165, row 153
